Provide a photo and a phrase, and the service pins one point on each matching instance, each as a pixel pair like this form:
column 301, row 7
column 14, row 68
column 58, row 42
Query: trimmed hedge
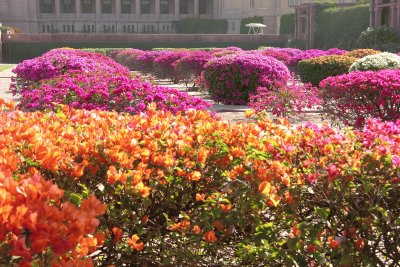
column 197, row 25
column 287, row 24
column 243, row 22
column 340, row 26
column 314, row 70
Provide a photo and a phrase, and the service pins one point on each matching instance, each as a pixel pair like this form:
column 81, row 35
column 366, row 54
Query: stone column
column 393, row 16
column 57, row 7
column 177, row 10
column 157, row 7
column 216, row 9
column 196, row 8
column 118, row 8
column 98, row 7
column 378, row 16
column 137, row 7
column 78, row 7
column 398, row 18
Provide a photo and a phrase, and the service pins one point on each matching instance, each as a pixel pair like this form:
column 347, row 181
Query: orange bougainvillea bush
column 193, row 190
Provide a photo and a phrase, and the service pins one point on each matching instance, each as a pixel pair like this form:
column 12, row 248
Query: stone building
column 385, row 13
column 133, row 16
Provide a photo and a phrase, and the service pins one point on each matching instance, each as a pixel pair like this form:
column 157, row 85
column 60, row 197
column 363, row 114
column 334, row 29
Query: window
column 126, row 7
column 88, row 6
column 67, row 6
column 93, row 28
column 47, row 6
column 184, row 9
column 252, row 3
column 44, row 28
column 233, row 26
column 202, row 6
column 164, row 7
column 145, row 6
column 106, row 6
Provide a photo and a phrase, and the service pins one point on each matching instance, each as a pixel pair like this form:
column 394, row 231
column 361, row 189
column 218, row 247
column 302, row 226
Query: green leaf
column 75, row 198
column 322, row 212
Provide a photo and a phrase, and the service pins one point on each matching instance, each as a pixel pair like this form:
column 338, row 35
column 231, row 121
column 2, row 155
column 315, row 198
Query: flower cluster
column 127, row 57
column 230, row 79
column 189, row 68
column 360, row 53
column 314, row 70
column 285, row 100
column 93, row 91
column 282, row 54
column 354, row 97
column 312, row 53
column 164, row 65
column 378, row 61
column 145, row 60
column 193, row 190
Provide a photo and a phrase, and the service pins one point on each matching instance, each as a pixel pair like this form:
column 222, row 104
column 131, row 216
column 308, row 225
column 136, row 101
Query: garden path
column 5, row 80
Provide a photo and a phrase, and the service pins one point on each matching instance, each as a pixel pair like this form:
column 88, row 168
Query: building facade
column 133, row 16
column 385, row 13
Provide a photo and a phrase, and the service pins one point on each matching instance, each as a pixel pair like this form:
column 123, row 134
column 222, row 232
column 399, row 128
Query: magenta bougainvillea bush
column 351, row 98
column 93, row 82
column 146, row 59
column 59, row 61
column 230, row 79
column 164, row 65
column 189, row 68
column 285, row 99
column 282, row 54
column 127, row 57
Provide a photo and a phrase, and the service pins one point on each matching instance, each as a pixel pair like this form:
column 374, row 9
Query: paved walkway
column 5, row 80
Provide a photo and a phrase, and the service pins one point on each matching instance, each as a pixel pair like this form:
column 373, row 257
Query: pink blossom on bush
column 164, row 65
column 92, row 91
column 146, row 59
column 285, row 100
column 352, row 98
column 189, row 67
column 230, row 79
column 312, row 53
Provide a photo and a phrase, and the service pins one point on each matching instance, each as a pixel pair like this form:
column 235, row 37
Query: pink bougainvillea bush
column 230, row 79
column 285, row 99
column 94, row 91
column 127, row 57
column 191, row 190
column 282, row 54
column 145, row 60
column 59, row 61
column 352, row 98
column 164, row 65
column 189, row 68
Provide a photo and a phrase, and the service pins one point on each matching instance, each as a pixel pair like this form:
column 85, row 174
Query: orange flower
column 132, row 242
column 219, row 225
column 333, row 243
column 117, row 234
column 196, row 229
column 194, row 176
column 200, row 197
column 225, row 207
column 210, row 237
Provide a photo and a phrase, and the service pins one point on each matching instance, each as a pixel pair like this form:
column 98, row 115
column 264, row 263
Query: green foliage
column 315, row 70
column 287, row 24
column 296, row 43
column 197, row 25
column 377, row 38
column 243, row 22
column 103, row 51
column 340, row 26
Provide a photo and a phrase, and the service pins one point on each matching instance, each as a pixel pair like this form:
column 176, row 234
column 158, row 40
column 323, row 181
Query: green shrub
column 287, row 24
column 103, row 51
column 316, row 69
column 379, row 61
column 197, row 25
column 243, row 22
column 376, row 37
column 296, row 43
column 340, row 26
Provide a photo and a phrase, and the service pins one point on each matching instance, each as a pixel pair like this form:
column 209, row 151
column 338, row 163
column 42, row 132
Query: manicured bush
column 282, row 54
column 189, row 68
column 377, row 62
column 192, row 190
column 363, row 52
column 339, row 26
column 145, row 61
column 60, row 61
column 313, row 53
column 164, row 65
column 351, row 98
column 314, row 70
column 232, row 50
column 376, row 37
column 287, row 24
column 115, row 93
column 285, row 100
column 198, row 25
column 230, row 79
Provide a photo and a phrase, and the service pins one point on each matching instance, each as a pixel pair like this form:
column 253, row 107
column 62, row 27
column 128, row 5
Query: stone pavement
column 5, row 80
